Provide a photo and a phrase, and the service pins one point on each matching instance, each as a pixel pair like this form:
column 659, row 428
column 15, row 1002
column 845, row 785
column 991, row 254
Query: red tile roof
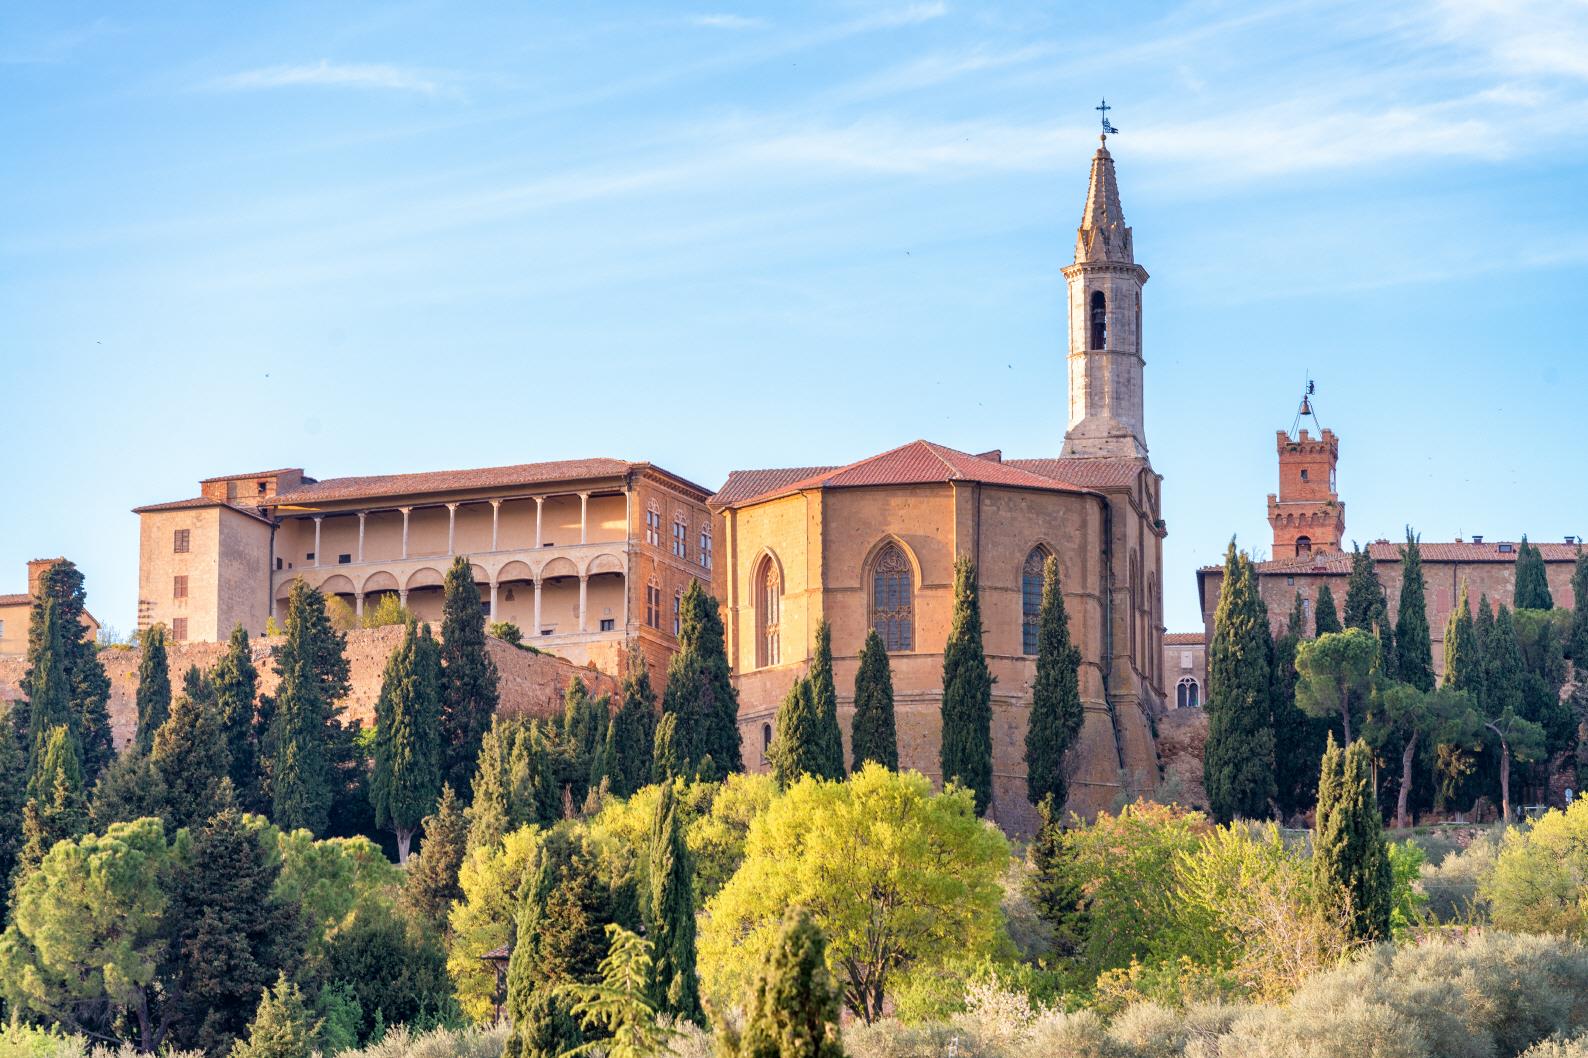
column 197, row 503
column 1455, row 551
column 1183, row 639
column 743, row 484
column 19, row 599
column 919, row 462
column 255, row 474
column 1088, row 473
column 519, row 474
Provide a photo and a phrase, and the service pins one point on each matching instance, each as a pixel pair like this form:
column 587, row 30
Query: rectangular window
column 485, row 607
column 678, row 612
column 653, row 606
column 2, row 629
column 343, row 560
column 705, row 549
column 608, row 624
column 179, row 587
column 278, row 562
column 308, row 556
column 680, row 539
column 653, row 528
column 182, row 541
column 179, row 629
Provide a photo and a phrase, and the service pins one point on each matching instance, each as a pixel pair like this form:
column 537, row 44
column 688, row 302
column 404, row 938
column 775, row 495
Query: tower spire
column 1103, row 235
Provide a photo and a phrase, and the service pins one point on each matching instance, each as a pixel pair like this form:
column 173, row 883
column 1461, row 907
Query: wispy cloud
column 894, row 17
column 55, row 47
column 726, row 21
column 327, row 74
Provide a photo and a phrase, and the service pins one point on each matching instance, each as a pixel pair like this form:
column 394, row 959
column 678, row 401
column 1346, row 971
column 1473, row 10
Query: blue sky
column 367, row 238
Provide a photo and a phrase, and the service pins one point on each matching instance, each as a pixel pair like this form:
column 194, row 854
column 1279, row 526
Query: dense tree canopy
column 873, row 731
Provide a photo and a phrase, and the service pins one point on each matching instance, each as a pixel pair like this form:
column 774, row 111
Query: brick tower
column 1307, row 515
column 1105, row 327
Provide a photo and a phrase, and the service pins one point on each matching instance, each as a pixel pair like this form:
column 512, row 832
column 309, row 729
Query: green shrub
column 1453, row 887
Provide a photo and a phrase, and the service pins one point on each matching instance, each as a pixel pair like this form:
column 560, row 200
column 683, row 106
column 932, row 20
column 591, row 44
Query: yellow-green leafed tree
column 898, row 879
column 482, row 921
column 1540, row 881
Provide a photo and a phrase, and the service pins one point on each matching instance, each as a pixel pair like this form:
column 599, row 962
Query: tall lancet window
column 892, row 604
column 1031, row 600
column 1099, row 320
column 769, row 613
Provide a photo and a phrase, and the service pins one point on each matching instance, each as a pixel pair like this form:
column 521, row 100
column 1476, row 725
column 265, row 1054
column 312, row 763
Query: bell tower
column 1306, row 515
column 1105, row 327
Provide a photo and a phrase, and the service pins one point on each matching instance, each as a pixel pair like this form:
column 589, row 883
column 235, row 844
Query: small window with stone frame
column 182, row 541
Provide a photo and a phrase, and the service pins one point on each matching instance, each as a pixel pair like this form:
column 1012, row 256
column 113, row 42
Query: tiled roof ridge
column 198, row 503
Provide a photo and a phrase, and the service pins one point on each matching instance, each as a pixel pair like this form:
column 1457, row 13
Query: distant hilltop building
column 872, row 545
column 585, row 556
column 15, row 611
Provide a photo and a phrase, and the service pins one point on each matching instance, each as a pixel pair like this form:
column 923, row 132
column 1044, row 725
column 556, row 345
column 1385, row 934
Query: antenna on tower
column 1306, row 410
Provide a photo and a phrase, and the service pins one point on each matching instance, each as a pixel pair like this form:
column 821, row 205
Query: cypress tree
column 792, row 1010
column 1350, row 856
column 131, row 788
column 1363, row 593
column 1463, row 660
column 534, row 789
column 469, row 692
column 88, row 685
column 13, row 796
column 1056, row 710
column 154, row 687
column 1238, row 760
column 300, row 748
column 49, row 696
column 1532, row 579
column 231, row 934
column 631, row 734
column 56, row 808
column 1325, row 617
column 1503, row 666
column 797, row 748
column 829, row 762
column 584, row 735
column 967, row 693
column 668, row 755
column 872, row 732
column 1414, row 651
column 236, row 683
column 699, row 691
column 190, row 755
column 489, row 814
column 670, row 914
column 1577, row 644
column 408, row 740
column 431, row 884
column 1298, row 738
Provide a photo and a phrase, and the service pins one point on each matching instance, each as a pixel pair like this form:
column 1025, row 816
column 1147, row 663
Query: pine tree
column 967, row 693
column 873, row 734
column 231, row 934
column 154, row 687
column 792, row 1009
column 1503, row 702
column 49, row 694
column 669, row 758
column 131, row 788
column 1350, row 856
column 699, row 691
column 282, row 1027
column 829, row 762
column 13, row 795
column 301, row 749
column 431, row 884
column 1577, row 644
column 1325, row 617
column 670, row 914
column 408, row 739
column 797, row 748
column 190, row 754
column 1414, row 651
column 236, row 683
column 1056, row 710
column 56, row 808
column 1532, row 580
column 89, row 686
column 1238, row 761
column 632, row 733
column 469, row 684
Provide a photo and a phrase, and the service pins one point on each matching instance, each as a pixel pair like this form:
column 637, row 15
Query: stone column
column 452, row 525
column 493, row 602
column 361, row 516
column 537, row 606
column 496, row 517
column 317, row 520
column 584, row 518
column 540, row 506
column 405, row 511
column 358, row 604
column 584, row 583
column 402, row 596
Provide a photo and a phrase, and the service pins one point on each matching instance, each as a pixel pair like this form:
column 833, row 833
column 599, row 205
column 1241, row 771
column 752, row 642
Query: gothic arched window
column 1188, row 694
column 1303, row 545
column 769, row 586
column 1099, row 321
column 1031, row 600
column 893, row 599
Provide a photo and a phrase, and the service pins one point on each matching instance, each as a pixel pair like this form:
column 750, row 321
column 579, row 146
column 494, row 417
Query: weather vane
column 1104, row 109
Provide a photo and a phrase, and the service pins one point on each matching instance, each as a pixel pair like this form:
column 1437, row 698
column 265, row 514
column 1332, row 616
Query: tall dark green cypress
column 584, row 736
column 236, row 683
column 1414, row 650
column 431, row 884
column 1056, row 710
column 824, row 692
column 469, row 691
column 1503, row 666
column 873, row 734
column 699, row 691
column 670, row 914
column 154, row 686
column 56, row 807
column 1577, row 644
column 49, row 693
column 631, row 734
column 301, row 749
column 1532, row 579
column 89, row 686
column 669, row 756
column 1363, row 592
column 190, row 754
column 1350, row 856
column 967, row 693
column 792, row 1009
column 1464, row 661
column 13, row 795
column 798, row 747
column 1325, row 617
column 406, row 780
column 1238, row 759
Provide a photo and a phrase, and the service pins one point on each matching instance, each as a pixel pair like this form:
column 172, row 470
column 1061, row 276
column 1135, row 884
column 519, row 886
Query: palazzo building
column 584, row 556
column 873, row 545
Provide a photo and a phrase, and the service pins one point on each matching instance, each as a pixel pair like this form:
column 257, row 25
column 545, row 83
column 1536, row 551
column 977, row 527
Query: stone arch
column 424, row 577
column 515, row 570
column 336, row 584
column 606, row 562
column 1188, row 693
column 480, row 576
column 559, row 567
column 380, row 580
column 869, row 563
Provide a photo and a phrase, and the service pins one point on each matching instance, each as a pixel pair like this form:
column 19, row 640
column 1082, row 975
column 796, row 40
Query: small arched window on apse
column 1031, row 576
column 1099, row 319
column 1188, row 693
column 768, row 612
column 1135, row 605
column 1303, row 545
column 893, row 599
column 766, row 741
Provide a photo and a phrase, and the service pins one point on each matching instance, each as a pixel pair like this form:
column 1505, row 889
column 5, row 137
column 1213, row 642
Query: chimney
column 1477, row 538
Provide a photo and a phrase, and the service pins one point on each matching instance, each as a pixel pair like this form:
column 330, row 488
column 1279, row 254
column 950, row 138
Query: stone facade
column 1185, row 669
column 1306, row 514
column 588, row 557
column 16, row 612
column 531, row 684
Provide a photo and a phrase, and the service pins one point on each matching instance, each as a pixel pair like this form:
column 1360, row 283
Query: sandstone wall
column 530, row 683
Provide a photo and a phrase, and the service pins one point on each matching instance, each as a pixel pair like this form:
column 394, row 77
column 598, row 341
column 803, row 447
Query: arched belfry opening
column 1099, row 338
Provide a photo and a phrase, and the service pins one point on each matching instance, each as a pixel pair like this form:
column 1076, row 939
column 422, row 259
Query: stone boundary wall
column 531, row 684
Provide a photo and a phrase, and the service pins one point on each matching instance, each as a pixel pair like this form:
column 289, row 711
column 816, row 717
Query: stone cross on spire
column 1103, row 235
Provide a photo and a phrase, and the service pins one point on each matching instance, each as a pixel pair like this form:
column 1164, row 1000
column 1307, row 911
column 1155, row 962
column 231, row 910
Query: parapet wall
column 530, row 684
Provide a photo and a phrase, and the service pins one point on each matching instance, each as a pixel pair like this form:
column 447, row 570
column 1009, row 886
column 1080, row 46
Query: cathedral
column 872, row 545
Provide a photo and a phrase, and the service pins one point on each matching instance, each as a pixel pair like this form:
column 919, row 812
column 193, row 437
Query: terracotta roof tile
column 197, row 503
column 1087, row 473
column 743, row 484
column 255, row 474
column 381, row 485
column 1184, row 639
column 18, row 599
column 1432, row 551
